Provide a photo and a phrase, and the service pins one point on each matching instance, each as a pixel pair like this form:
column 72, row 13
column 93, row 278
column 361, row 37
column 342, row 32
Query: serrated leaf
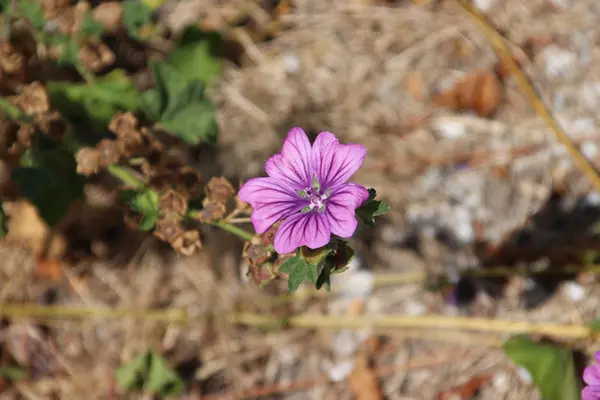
column 90, row 28
column 195, row 56
column 3, row 227
column 33, row 12
column 97, row 102
column 149, row 372
column 298, row 270
column 144, row 202
column 135, row 15
column 551, row 367
column 194, row 123
column 372, row 208
column 179, row 106
column 47, row 177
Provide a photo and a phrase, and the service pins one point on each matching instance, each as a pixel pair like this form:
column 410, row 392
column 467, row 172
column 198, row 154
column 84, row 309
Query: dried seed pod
column 187, row 243
column 168, row 228
column 52, row 7
column 109, row 152
column 34, row 99
column 11, row 61
column 96, row 55
column 172, row 202
column 255, row 253
column 123, row 123
column 211, row 212
column 52, row 125
column 88, row 161
column 219, row 190
column 109, row 14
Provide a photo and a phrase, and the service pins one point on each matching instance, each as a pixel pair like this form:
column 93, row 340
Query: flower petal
column 303, row 229
column 350, row 194
column 340, row 208
column 266, row 190
column 597, row 357
column 293, row 164
column 333, row 162
column 265, row 215
column 591, row 375
column 590, row 393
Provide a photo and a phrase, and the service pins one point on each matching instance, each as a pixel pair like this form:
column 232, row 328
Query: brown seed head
column 108, row 151
column 88, row 161
column 96, row 55
column 109, row 14
column 187, row 243
column 219, row 190
column 168, row 228
column 173, row 202
column 11, row 60
column 34, row 99
column 211, row 212
column 123, row 123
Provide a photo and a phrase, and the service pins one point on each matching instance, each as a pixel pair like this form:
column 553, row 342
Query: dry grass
column 366, row 73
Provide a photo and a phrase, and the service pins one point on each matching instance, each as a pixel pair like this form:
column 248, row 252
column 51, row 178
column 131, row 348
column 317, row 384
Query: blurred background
column 476, row 179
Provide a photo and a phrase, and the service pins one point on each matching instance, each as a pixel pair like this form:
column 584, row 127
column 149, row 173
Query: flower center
column 314, row 196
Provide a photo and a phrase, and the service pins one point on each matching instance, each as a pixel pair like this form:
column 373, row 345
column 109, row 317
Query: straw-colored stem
column 404, row 322
column 534, row 100
column 306, row 321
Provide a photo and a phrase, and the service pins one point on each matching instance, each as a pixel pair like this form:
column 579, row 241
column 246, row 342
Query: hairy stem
column 241, row 233
column 125, row 175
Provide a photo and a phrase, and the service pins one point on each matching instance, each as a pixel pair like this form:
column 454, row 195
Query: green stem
column 12, row 112
column 85, row 73
column 241, row 233
column 125, row 176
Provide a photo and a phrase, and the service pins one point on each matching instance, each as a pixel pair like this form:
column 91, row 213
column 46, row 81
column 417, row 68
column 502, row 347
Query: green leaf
column 299, row 270
column 150, row 372
column 33, row 12
column 97, row 102
column 135, row 15
column 372, row 208
column 144, row 202
column 179, row 106
column 194, row 123
column 47, row 177
column 162, row 379
column 195, row 56
column 3, row 227
column 550, row 366
column 90, row 28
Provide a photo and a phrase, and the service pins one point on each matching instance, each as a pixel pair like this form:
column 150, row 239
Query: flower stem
column 241, row 233
column 125, row 175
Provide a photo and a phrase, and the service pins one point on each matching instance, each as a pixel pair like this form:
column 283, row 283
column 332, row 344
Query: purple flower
column 306, row 188
column 591, row 376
